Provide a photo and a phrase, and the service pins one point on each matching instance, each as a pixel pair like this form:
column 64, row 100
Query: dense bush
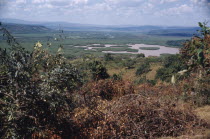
column 107, row 89
column 98, row 70
column 143, row 68
column 135, row 116
column 108, row 57
column 140, row 55
column 34, row 92
column 129, row 63
column 171, row 65
column 196, row 55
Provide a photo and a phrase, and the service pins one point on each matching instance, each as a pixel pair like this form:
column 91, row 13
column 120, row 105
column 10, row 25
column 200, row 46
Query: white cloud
column 60, row 2
column 20, row 1
column 167, row 1
column 50, row 6
column 80, row 1
column 197, row 1
column 100, row 7
column 127, row 3
column 182, row 9
column 108, row 11
column 200, row 2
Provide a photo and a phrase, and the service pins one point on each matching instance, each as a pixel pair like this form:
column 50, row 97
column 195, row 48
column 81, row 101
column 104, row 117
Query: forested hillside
column 45, row 95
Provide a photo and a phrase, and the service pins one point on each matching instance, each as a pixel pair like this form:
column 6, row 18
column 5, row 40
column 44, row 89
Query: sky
column 109, row 12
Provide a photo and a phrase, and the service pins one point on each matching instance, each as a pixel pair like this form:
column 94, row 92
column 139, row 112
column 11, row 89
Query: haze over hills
column 16, row 26
column 23, row 28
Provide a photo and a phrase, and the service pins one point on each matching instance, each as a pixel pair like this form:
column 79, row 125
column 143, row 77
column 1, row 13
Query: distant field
column 149, row 48
column 116, row 49
column 101, row 45
column 83, row 38
column 122, row 46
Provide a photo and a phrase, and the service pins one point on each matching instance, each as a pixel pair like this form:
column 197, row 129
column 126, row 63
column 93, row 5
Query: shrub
column 196, row 53
column 143, row 69
column 129, row 63
column 98, row 70
column 108, row 57
column 171, row 65
column 140, row 55
column 107, row 89
column 32, row 96
column 134, row 116
column 116, row 77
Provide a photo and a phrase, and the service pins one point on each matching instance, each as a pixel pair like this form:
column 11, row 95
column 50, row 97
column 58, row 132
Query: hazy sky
column 109, row 12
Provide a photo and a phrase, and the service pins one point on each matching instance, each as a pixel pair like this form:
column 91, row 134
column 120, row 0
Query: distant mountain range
column 16, row 26
column 23, row 28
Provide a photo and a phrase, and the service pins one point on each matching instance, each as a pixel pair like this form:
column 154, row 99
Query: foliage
column 108, row 57
column 129, row 63
column 176, row 43
column 144, row 68
column 196, row 55
column 34, row 92
column 98, row 70
column 196, row 52
column 204, row 29
column 149, row 48
column 143, row 80
column 42, row 95
column 171, row 65
column 140, row 55
column 116, row 77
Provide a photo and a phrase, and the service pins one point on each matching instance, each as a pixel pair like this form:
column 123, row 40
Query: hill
column 151, row 30
column 23, row 28
column 175, row 31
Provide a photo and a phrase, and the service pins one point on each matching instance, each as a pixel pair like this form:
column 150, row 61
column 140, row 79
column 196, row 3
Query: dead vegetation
column 136, row 116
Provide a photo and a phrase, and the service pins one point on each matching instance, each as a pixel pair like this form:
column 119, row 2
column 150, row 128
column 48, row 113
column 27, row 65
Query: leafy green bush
column 34, row 92
column 196, row 52
column 108, row 57
column 140, row 55
column 98, row 70
column 196, row 55
column 144, row 80
column 171, row 65
column 144, row 68
column 116, row 77
column 129, row 63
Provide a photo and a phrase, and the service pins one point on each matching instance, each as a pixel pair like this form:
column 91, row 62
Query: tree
column 108, row 57
column 98, row 70
column 143, row 69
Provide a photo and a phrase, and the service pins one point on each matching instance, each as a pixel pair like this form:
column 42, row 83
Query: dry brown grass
column 152, row 73
column 203, row 113
column 200, row 133
column 129, row 74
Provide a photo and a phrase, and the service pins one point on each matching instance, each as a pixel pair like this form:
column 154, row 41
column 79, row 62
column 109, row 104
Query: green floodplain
column 70, row 39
